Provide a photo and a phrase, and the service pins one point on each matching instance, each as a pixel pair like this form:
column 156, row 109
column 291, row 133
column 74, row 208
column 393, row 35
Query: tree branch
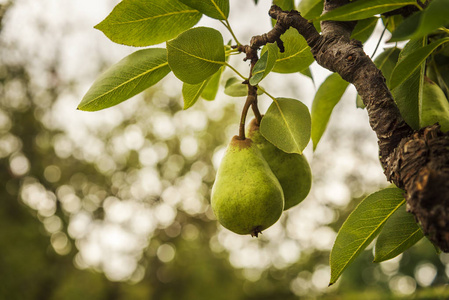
column 417, row 162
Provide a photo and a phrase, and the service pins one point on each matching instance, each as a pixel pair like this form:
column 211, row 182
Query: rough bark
column 416, row 161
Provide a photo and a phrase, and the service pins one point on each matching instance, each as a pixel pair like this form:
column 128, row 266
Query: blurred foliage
column 48, row 181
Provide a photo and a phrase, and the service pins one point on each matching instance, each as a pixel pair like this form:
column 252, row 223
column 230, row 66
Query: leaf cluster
column 417, row 76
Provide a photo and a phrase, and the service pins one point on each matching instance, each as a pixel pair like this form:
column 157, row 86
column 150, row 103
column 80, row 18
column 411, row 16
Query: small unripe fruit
column 246, row 196
column 291, row 169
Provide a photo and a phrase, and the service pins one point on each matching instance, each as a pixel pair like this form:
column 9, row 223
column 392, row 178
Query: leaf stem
column 235, row 70
column 266, row 93
column 228, row 26
column 232, row 51
column 380, row 39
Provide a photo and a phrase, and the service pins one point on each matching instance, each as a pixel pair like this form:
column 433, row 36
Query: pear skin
column 246, row 196
column 291, row 169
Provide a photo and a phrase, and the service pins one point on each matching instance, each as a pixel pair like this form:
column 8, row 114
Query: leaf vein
column 129, row 80
column 156, row 17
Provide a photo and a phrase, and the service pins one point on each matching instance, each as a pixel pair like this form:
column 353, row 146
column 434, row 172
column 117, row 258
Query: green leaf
column 310, row 9
column 235, row 88
column 364, row 29
column 285, row 4
column 408, row 95
column 434, row 16
column 359, row 102
column 264, row 65
column 210, row 91
column 399, row 233
column 196, row 54
column 439, row 67
column 127, row 78
column 147, row 22
column 361, row 227
column 307, row 72
column 392, row 22
column 358, row 10
column 405, row 68
column 435, row 107
column 217, row 9
column 386, row 61
column 406, row 28
column 327, row 96
column 286, row 125
column 297, row 55
column 191, row 92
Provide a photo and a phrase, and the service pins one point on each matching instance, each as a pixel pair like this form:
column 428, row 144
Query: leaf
column 307, row 72
column 127, row 78
column 408, row 95
column 297, row 55
column 327, row 96
column 196, row 54
column 440, row 68
column 358, row 10
column 285, row 4
column 386, row 61
column 364, row 29
column 147, row 22
column 399, row 233
column 286, row 125
column 235, row 88
column 359, row 102
column 392, row 22
column 191, row 92
column 210, row 91
column 405, row 68
column 217, row 9
column 361, row 227
column 264, row 65
column 434, row 16
column 435, row 107
column 406, row 28
column 310, row 9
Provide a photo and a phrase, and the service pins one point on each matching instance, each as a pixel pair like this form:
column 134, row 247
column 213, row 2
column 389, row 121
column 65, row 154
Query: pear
column 291, row 169
column 246, row 196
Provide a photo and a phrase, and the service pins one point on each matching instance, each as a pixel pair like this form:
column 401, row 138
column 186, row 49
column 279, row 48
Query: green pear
column 291, row 169
column 246, row 196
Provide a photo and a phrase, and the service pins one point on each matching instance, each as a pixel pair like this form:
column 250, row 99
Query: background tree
column 77, row 183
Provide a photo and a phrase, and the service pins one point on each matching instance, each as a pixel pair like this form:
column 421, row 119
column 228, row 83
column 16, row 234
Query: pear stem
column 251, row 99
column 248, row 103
column 256, row 111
